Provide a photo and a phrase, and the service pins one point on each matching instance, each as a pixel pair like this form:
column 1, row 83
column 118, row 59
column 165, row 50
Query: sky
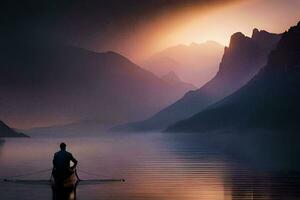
column 139, row 28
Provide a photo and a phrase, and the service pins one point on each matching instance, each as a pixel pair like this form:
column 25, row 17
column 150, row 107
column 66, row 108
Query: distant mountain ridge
column 172, row 79
column 6, row 131
column 241, row 61
column 44, row 84
column 269, row 101
column 194, row 63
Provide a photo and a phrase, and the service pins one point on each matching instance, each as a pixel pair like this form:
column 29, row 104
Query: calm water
column 156, row 166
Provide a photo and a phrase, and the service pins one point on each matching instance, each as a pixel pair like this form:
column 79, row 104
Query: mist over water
column 155, row 165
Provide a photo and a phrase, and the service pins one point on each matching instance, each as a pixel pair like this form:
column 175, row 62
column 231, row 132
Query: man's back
column 61, row 160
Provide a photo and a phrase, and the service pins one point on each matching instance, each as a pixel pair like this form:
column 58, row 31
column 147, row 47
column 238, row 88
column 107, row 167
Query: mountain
column 44, row 84
column 172, row 79
column 269, row 101
column 241, row 61
column 6, row 131
column 194, row 63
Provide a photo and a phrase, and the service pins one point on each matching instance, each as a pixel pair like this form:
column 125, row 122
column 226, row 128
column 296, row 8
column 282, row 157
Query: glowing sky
column 200, row 23
column 219, row 23
column 139, row 28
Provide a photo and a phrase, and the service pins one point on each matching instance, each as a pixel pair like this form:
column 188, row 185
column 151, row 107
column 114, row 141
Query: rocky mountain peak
column 236, row 39
column 287, row 54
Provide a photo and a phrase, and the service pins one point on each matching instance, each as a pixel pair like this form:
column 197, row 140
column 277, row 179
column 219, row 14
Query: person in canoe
column 61, row 163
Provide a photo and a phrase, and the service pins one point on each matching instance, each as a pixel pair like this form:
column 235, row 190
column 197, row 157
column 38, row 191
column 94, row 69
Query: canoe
column 64, row 188
column 67, row 182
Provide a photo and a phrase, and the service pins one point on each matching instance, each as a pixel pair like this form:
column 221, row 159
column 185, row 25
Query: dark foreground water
column 156, row 166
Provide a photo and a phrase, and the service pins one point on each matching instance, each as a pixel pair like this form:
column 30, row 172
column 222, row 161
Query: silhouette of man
column 61, row 163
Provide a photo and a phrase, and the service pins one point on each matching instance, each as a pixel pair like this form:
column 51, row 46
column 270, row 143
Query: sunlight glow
column 217, row 24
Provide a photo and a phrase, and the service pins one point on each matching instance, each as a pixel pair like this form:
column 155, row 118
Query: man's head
column 63, row 146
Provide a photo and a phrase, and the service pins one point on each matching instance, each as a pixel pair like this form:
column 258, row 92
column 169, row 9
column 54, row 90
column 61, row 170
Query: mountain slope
column 241, row 61
column 6, row 131
column 269, row 101
column 172, row 79
column 194, row 63
column 44, row 84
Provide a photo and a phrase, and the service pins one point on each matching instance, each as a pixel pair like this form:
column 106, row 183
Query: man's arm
column 74, row 161
column 54, row 161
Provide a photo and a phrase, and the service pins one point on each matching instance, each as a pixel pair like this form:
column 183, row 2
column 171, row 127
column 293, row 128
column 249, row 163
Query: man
column 61, row 163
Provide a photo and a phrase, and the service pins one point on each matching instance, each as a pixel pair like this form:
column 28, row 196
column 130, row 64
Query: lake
column 156, row 166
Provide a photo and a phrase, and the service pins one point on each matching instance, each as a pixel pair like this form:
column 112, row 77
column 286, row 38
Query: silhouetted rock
column 241, row 61
column 44, row 84
column 269, row 101
column 6, row 131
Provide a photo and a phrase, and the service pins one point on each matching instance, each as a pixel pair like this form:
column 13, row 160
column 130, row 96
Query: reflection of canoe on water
column 64, row 188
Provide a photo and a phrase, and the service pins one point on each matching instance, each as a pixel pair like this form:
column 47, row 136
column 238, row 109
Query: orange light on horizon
column 216, row 23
